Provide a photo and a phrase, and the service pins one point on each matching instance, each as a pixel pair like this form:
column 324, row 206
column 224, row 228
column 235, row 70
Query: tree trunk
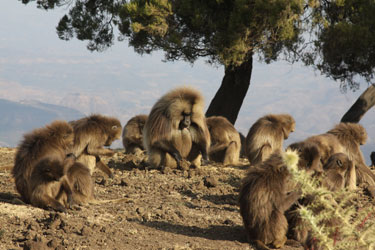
column 228, row 99
column 361, row 106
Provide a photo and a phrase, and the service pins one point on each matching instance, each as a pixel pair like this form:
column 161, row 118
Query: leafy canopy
column 344, row 42
column 224, row 31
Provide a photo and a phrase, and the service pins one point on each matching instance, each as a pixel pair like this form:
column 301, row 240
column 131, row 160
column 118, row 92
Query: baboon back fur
column 264, row 197
column 266, row 136
column 132, row 134
column 225, row 140
column 54, row 140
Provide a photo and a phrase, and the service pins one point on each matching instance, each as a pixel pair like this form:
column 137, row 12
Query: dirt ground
column 195, row 209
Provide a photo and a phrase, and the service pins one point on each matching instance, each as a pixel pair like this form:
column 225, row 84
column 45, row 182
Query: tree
column 225, row 32
column 343, row 47
column 361, row 106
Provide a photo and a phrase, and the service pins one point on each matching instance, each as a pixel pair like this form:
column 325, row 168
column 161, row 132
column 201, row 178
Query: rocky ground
column 175, row 210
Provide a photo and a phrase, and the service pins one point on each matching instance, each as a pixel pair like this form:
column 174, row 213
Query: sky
column 36, row 65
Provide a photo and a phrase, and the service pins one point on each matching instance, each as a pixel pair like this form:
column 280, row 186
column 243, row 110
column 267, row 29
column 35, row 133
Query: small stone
column 210, row 182
column 85, row 231
column 140, row 210
column 123, row 183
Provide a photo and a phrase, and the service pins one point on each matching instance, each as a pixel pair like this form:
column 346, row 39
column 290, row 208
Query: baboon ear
column 114, row 127
column 339, row 162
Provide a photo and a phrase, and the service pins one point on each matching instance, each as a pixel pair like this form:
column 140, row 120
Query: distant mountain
column 16, row 118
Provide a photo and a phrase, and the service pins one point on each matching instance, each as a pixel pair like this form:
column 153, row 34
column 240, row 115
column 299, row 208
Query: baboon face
column 339, row 162
column 52, row 173
column 289, row 125
column 181, row 114
column 115, row 134
column 186, row 121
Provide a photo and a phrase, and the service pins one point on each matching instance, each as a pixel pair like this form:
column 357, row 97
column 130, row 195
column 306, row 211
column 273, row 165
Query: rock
column 85, row 231
column 123, row 183
column 210, row 182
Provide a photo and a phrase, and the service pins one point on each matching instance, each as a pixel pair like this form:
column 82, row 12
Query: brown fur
column 338, row 172
column 167, row 139
column 225, row 140
column 48, row 185
column 79, row 177
column 264, row 197
column 132, row 135
column 372, row 157
column 337, row 175
column 91, row 134
column 351, row 136
column 266, row 136
column 309, row 156
column 82, row 185
column 53, row 141
column 327, row 144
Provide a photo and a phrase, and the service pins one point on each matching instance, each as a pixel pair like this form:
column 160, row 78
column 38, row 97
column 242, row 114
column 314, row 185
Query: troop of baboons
column 53, row 165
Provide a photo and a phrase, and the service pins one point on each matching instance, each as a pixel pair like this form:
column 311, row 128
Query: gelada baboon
column 132, row 135
column 337, row 175
column 54, row 141
column 82, row 185
column 372, row 157
column 266, row 193
column 176, row 129
column 351, row 136
column 81, row 182
column 48, row 186
column 338, row 172
column 225, row 140
column 266, row 136
column 90, row 135
column 309, row 156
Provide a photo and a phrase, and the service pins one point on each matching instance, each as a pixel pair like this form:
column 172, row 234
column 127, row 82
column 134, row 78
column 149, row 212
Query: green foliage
column 337, row 220
column 344, row 46
column 228, row 32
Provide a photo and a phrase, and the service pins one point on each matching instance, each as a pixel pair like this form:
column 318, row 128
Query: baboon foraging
column 327, row 144
column 82, row 186
column 266, row 193
column 48, row 185
column 338, row 172
column 266, row 136
column 54, row 141
column 91, row 134
column 225, row 140
column 351, row 136
column 176, row 130
column 309, row 156
column 372, row 157
column 132, row 134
